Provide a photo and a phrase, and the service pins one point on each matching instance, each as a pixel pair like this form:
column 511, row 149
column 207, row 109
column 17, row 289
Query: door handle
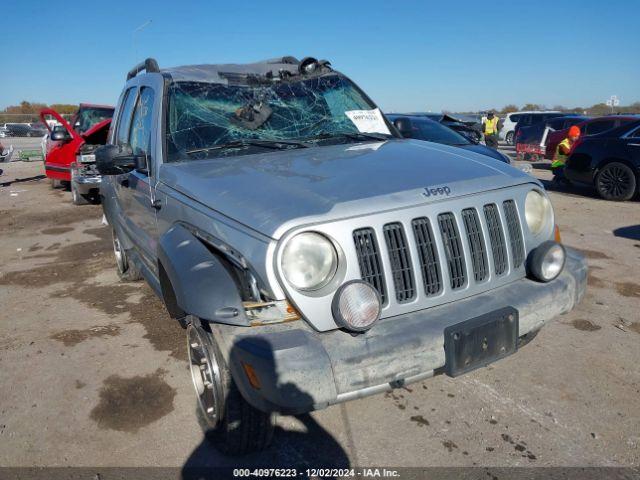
column 157, row 204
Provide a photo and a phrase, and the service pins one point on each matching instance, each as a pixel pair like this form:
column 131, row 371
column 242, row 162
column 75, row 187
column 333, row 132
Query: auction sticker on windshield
column 368, row 121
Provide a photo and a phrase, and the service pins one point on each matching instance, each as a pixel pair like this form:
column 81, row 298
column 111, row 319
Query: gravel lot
column 94, row 373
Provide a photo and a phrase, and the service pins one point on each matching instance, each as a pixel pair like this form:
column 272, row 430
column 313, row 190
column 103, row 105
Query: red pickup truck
column 90, row 126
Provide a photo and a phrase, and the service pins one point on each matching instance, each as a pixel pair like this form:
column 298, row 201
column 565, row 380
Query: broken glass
column 213, row 119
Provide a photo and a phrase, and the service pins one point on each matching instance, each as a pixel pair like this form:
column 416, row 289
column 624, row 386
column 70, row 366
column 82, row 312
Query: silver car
column 312, row 254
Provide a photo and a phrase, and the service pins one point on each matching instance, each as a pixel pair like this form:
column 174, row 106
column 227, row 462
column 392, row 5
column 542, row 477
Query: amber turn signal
column 556, row 234
column 251, row 375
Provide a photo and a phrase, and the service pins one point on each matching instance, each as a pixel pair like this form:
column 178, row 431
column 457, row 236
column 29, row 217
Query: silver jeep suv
column 312, row 254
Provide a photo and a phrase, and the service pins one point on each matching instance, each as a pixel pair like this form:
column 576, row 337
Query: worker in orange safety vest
column 562, row 154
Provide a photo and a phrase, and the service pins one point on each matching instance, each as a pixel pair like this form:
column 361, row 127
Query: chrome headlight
column 309, row 261
column 537, row 211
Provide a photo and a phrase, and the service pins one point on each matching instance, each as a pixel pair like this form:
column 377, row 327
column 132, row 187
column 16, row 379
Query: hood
column 484, row 150
column 275, row 191
column 98, row 133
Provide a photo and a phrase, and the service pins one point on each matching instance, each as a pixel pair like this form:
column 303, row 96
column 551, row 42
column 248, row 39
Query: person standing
column 490, row 130
column 562, row 153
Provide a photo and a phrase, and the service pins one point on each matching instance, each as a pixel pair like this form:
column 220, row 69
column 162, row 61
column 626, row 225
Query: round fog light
column 546, row 261
column 356, row 306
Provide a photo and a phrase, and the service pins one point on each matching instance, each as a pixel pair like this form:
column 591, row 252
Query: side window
column 598, row 127
column 124, row 119
column 140, row 136
column 515, row 118
column 525, row 120
column 635, row 133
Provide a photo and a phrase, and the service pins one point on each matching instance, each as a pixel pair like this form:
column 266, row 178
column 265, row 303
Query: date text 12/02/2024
column 317, row 472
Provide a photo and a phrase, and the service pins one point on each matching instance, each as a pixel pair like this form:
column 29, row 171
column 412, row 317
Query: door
column 61, row 154
column 633, row 146
column 136, row 189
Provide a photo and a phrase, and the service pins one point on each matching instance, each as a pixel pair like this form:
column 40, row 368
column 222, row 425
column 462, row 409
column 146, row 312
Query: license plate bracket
column 480, row 341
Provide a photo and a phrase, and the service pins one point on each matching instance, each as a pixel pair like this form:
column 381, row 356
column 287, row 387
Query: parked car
column 610, row 161
column 530, row 143
column 421, row 128
column 534, row 118
column 312, row 254
column 509, row 122
column 21, row 130
column 66, row 162
column 472, row 130
column 587, row 127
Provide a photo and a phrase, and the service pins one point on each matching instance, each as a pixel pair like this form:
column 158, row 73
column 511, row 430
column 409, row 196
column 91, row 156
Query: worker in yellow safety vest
column 490, row 130
column 562, row 153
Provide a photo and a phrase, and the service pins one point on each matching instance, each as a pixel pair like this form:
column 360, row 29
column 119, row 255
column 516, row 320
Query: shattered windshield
column 89, row 116
column 206, row 118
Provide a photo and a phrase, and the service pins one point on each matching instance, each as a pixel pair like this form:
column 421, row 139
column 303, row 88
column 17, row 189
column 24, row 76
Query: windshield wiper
column 352, row 136
column 272, row 144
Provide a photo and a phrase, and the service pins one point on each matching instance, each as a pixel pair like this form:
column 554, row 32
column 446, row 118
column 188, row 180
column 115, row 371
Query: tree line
column 596, row 110
column 30, row 112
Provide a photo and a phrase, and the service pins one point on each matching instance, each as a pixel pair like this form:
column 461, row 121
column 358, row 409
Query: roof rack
column 150, row 65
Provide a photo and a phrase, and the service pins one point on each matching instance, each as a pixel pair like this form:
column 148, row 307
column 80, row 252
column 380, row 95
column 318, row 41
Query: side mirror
column 115, row 159
column 60, row 136
column 404, row 127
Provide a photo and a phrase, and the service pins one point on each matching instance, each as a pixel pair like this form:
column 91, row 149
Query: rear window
column 556, row 124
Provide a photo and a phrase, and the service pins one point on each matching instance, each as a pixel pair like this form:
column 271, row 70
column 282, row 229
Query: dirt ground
column 94, row 373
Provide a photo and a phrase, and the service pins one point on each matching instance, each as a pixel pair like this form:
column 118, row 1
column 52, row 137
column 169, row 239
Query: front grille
column 369, row 260
column 400, row 262
column 476, row 243
column 493, row 237
column 496, row 237
column 453, row 249
column 429, row 264
column 515, row 235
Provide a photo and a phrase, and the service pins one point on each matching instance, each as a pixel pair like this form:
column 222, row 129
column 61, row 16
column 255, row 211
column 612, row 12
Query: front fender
column 201, row 283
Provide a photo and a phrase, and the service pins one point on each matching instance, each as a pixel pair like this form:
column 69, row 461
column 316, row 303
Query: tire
column 229, row 422
column 509, row 138
column 127, row 271
column 76, row 198
column 616, row 181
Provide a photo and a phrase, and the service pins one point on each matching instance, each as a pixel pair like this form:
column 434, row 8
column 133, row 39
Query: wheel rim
column 121, row 260
column 205, row 374
column 614, row 181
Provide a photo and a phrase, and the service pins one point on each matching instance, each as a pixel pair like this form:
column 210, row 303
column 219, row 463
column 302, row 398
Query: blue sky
column 423, row 55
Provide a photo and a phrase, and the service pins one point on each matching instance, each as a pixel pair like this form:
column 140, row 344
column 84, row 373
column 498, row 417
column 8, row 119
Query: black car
column 422, row 128
column 609, row 160
column 22, row 130
column 534, row 133
column 472, row 130
column 534, row 118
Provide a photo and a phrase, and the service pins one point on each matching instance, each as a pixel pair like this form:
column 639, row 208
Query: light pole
column 133, row 39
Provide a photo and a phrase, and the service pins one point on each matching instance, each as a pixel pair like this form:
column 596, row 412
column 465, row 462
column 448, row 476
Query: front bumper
column 84, row 179
column 300, row 370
